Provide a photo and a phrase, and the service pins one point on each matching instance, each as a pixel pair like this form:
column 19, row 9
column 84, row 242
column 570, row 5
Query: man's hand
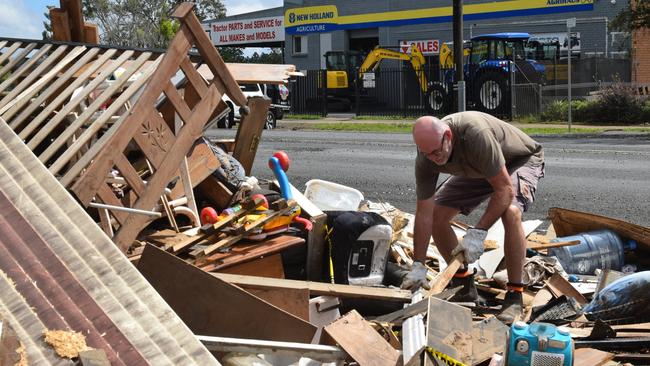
column 416, row 278
column 472, row 245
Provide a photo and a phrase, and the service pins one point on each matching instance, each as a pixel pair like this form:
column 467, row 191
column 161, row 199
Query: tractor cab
column 487, row 73
column 495, row 51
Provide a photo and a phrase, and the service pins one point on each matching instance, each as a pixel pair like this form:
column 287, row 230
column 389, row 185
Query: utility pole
column 570, row 23
column 458, row 55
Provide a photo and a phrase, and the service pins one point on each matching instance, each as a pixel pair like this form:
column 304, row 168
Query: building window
column 299, row 45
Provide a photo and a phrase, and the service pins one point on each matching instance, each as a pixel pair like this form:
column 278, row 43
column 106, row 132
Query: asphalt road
column 607, row 176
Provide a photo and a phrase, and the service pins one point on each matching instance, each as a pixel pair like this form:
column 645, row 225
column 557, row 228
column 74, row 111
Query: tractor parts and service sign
column 243, row 31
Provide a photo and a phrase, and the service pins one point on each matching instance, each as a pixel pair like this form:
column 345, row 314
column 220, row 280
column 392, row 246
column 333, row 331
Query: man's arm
column 422, row 228
column 500, row 199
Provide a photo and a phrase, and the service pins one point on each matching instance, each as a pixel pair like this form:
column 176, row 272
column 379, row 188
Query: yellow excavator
column 341, row 64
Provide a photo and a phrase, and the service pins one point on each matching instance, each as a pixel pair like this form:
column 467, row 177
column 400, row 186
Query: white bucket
column 329, row 196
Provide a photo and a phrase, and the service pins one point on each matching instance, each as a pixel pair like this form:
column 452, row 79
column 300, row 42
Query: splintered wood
column 66, row 344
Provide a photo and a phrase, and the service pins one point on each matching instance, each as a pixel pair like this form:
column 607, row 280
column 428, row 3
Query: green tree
column 232, row 54
column 47, row 24
column 635, row 16
column 273, row 57
column 142, row 23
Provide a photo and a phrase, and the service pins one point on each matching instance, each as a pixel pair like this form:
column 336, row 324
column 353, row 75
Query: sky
column 24, row 18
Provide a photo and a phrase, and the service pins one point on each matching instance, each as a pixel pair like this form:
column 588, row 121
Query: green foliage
column 616, row 104
column 232, row 54
column 635, row 16
column 273, row 57
column 143, row 23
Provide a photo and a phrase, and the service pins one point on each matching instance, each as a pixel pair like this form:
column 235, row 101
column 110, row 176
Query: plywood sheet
column 361, row 341
column 212, row 307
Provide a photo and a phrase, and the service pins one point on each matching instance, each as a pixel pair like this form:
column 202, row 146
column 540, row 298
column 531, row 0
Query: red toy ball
column 209, row 216
column 283, row 158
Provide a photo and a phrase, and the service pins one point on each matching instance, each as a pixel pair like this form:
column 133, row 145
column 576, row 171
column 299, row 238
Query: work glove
column 472, row 245
column 416, row 278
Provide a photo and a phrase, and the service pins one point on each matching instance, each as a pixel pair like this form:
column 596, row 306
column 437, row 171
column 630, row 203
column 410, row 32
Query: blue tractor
column 487, row 74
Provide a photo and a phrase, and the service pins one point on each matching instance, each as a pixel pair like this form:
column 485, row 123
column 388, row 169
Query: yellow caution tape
column 441, row 356
column 328, row 237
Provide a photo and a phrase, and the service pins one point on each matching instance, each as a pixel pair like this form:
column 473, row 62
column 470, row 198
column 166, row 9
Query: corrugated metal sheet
column 60, row 271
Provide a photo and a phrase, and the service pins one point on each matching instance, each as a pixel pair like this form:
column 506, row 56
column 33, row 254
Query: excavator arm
column 416, row 58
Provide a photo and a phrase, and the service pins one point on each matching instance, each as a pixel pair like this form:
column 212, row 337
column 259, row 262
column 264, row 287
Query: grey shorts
column 466, row 194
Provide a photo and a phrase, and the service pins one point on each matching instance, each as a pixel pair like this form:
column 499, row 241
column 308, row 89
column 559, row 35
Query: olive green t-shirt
column 482, row 144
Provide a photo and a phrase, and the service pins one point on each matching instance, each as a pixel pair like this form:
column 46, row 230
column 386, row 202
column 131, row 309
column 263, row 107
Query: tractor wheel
column 437, row 101
column 491, row 92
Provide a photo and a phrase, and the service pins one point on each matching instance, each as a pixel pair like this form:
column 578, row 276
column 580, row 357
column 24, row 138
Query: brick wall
column 641, row 56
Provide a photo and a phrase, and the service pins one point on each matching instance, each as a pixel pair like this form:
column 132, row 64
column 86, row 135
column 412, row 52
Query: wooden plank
column 440, row 282
column 294, row 302
column 559, row 286
column 201, row 163
column 270, row 266
column 249, row 132
column 29, row 87
column 73, row 172
column 247, row 252
column 130, row 174
column 352, row 333
column 9, row 51
column 180, row 106
column 449, row 330
column 155, row 138
column 215, row 191
column 32, row 105
column 74, row 103
column 60, row 25
column 106, row 94
column 542, row 246
column 319, row 288
column 17, row 74
column 591, row 357
column 210, row 306
column 100, row 122
column 211, row 56
column 198, row 83
column 253, row 73
column 61, row 96
column 91, row 33
column 76, row 20
column 489, row 336
column 568, row 222
column 19, row 58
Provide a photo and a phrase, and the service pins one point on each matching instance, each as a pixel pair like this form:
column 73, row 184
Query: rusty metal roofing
column 59, row 271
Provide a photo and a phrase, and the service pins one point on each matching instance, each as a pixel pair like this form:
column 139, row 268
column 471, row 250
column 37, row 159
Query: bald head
column 433, row 138
column 427, row 132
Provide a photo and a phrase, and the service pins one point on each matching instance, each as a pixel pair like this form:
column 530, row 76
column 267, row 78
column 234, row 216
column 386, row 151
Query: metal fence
column 398, row 92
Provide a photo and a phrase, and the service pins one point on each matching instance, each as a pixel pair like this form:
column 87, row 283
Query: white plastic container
column 329, row 196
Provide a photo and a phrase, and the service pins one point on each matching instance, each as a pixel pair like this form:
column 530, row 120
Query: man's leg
column 514, row 243
column 443, row 234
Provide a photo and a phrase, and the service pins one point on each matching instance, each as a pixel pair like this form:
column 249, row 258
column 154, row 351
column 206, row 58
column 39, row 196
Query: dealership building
column 307, row 29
